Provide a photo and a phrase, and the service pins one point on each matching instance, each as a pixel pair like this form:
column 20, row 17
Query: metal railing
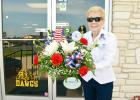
column 15, row 61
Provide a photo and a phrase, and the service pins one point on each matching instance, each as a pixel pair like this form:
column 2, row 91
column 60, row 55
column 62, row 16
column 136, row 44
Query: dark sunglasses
column 96, row 19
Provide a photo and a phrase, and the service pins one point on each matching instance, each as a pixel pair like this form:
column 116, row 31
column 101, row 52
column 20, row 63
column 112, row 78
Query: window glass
column 72, row 14
column 24, row 19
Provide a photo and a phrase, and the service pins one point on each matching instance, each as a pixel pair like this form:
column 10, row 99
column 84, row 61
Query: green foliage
column 45, row 64
column 62, row 70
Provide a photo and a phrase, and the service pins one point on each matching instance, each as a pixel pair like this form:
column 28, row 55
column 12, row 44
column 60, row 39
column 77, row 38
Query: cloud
column 37, row 5
column 74, row 7
column 24, row 7
column 35, row 11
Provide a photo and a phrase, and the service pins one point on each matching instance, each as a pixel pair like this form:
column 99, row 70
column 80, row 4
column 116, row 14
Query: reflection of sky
column 21, row 17
column 76, row 10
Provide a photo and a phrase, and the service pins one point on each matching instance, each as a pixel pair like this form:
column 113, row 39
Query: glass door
column 26, row 20
column 22, row 22
column 71, row 14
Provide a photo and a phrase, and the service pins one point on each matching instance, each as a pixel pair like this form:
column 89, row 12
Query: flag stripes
column 58, row 35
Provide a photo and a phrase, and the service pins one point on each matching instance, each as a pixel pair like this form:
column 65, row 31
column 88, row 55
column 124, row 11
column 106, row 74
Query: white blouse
column 103, row 55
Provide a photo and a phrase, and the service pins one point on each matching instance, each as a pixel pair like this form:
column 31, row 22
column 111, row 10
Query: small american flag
column 58, row 35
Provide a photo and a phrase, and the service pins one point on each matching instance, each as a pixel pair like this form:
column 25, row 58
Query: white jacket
column 103, row 55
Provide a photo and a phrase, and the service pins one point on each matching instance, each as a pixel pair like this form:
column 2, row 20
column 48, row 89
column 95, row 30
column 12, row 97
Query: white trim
column 52, row 84
column 69, row 98
column 51, row 24
column 54, row 7
column 2, row 84
column 106, row 26
column 110, row 16
column 0, row 88
column 50, row 87
column 53, row 15
column 19, row 39
column 0, row 19
column 2, row 69
column 1, row 55
column 54, row 90
column 49, row 18
column 25, row 98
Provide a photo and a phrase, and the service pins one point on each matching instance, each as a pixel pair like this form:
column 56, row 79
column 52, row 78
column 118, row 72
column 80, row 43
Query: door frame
column 51, row 25
column 108, row 15
column 2, row 82
column 108, row 23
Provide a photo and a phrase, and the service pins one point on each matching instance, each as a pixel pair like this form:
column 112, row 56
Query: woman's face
column 95, row 21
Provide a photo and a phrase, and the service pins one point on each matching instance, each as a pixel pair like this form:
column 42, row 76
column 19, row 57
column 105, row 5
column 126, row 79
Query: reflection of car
column 8, row 44
column 11, row 66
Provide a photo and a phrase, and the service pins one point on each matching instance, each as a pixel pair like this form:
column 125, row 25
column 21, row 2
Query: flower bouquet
column 59, row 58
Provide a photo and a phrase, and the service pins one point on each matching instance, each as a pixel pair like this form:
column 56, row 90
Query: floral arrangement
column 59, row 58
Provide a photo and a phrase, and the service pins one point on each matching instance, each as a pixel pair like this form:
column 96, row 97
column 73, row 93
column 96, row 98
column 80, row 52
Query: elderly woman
column 101, row 85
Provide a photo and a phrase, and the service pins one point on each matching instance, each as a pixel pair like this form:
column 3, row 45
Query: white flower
column 68, row 47
column 76, row 36
column 83, row 51
column 72, row 46
column 51, row 49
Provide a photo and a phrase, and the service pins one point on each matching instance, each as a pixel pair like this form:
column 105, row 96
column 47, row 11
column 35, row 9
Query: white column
column 108, row 15
column 54, row 14
column 1, row 52
column 49, row 13
column 0, row 89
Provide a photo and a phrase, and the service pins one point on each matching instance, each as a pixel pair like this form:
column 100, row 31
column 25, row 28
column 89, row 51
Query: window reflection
column 21, row 78
column 72, row 13
column 24, row 19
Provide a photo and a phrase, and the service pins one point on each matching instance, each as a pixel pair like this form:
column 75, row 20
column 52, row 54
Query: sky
column 19, row 19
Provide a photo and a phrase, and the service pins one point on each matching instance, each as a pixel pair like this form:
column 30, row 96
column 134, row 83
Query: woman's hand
column 94, row 66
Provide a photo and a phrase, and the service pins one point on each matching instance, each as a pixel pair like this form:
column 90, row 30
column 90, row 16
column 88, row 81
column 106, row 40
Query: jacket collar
column 101, row 35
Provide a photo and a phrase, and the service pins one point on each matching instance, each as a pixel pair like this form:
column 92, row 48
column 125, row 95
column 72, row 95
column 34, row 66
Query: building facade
column 123, row 19
column 125, row 25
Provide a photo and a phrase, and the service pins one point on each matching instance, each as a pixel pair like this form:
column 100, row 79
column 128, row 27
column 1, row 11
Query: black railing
column 14, row 61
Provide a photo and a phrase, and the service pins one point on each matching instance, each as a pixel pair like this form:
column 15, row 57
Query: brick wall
column 126, row 26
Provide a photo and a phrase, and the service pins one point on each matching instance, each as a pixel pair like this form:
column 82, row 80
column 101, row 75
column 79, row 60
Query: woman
column 101, row 85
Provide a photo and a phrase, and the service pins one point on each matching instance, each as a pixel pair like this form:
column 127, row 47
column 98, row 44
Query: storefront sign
column 72, row 83
column 26, row 79
column 41, row 30
column 62, row 5
column 64, row 24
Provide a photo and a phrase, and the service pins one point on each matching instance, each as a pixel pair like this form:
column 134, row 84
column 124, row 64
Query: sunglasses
column 96, row 19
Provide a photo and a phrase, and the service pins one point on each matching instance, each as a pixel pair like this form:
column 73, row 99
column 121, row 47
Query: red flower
column 84, row 41
column 83, row 70
column 36, row 59
column 56, row 59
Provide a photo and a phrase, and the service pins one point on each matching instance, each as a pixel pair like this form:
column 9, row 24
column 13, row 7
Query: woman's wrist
column 93, row 68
